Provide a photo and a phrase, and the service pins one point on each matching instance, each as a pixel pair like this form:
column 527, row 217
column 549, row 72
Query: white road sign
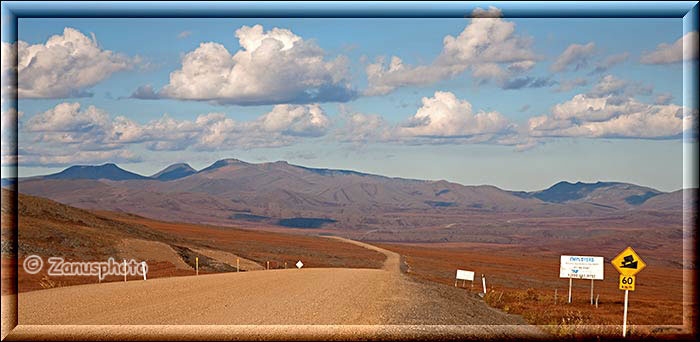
column 299, row 264
column 465, row 275
column 581, row 267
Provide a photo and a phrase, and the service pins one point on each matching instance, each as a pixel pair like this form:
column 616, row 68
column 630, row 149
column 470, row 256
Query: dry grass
column 524, row 284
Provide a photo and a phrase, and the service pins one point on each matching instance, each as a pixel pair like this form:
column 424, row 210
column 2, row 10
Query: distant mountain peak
column 105, row 171
column 223, row 162
column 175, row 171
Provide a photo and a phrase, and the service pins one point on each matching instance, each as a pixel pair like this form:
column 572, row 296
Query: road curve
column 309, row 296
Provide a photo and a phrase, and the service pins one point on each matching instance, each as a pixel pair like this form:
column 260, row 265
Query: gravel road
column 307, row 296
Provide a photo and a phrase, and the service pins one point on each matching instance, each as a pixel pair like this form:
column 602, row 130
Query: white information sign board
column 581, row 267
column 465, row 275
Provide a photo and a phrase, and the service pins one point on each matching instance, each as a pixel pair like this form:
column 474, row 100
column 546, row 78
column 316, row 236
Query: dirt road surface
column 334, row 297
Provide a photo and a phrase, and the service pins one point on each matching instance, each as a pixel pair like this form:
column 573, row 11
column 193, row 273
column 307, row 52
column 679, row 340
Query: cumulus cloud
column 488, row 47
column 575, row 54
column 683, row 49
column 92, row 129
column 272, row 67
column 445, row 116
column 611, row 85
column 57, row 159
column 609, row 110
column 568, row 85
column 609, row 62
column 294, row 120
column 361, row 128
column 65, row 66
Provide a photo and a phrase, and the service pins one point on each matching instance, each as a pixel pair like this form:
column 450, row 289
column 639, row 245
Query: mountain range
column 231, row 190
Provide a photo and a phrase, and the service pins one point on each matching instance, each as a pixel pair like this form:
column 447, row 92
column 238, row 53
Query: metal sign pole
column 570, row 281
column 624, row 315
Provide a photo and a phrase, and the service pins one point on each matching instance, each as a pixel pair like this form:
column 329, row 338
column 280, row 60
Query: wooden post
column 624, row 315
column 555, row 296
column 124, row 270
column 591, row 291
column 238, row 264
column 570, row 281
column 596, row 300
column 196, row 262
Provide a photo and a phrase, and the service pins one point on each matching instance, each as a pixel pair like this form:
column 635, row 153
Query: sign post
column 464, row 276
column 628, row 263
column 581, row 267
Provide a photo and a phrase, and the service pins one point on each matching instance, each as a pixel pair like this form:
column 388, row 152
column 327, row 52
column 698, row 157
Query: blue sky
column 446, row 113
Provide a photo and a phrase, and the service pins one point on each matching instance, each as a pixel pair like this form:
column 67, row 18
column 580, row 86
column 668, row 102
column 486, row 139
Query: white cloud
column 54, row 159
column 683, row 49
column 184, row 34
column 92, row 129
column 444, row 115
column 609, row 62
column 576, row 55
column 65, row 66
column 361, row 128
column 488, row 46
column 611, row 85
column 294, row 120
column 273, row 67
column 599, row 117
column 567, row 85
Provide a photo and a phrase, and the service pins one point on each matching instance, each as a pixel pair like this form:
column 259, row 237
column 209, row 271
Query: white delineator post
column 483, row 282
column 125, row 270
column 238, row 264
column 570, row 281
column 196, row 263
column 143, row 268
column 99, row 275
column 624, row 315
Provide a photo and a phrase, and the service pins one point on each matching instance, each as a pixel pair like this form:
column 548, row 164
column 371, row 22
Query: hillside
column 48, row 228
column 231, row 191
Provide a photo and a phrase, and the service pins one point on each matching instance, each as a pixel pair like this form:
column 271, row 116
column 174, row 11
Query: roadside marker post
column 143, row 268
column 124, row 270
column 238, row 264
column 268, row 265
column 596, row 300
column 196, row 263
column 628, row 263
column 483, row 281
column 555, row 296
column 99, row 275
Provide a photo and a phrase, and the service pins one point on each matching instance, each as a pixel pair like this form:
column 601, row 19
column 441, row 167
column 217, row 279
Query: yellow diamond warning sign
column 627, row 282
column 628, row 263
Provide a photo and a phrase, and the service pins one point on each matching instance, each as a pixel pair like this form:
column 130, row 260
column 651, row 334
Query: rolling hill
column 234, row 191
